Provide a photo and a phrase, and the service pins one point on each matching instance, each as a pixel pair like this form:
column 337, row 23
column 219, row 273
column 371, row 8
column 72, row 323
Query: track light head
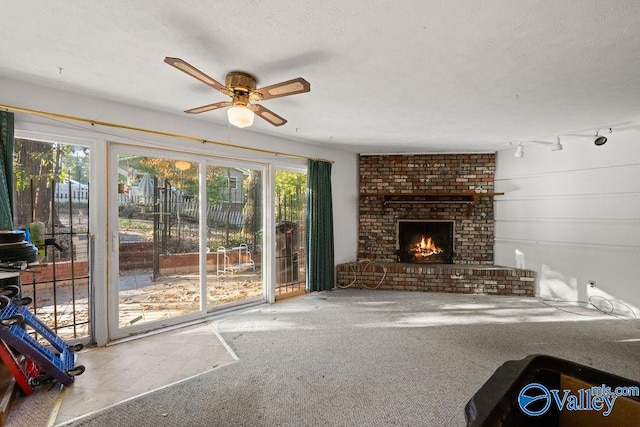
column 519, row 151
column 599, row 139
column 556, row 146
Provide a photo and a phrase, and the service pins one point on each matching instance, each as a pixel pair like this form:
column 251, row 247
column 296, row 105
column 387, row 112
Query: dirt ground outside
column 174, row 295
column 141, row 300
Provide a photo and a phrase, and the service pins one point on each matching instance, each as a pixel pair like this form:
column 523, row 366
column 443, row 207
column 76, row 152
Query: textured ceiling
column 386, row 76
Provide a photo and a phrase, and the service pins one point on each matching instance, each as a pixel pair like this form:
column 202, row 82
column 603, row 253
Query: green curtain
column 6, row 170
column 320, row 257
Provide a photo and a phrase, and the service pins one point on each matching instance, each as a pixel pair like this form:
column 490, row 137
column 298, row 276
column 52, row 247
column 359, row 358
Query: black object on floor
column 542, row 390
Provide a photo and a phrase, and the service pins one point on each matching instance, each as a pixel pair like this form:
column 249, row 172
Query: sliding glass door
column 185, row 237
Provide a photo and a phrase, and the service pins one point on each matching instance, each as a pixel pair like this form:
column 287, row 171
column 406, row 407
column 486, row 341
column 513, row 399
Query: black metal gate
column 59, row 283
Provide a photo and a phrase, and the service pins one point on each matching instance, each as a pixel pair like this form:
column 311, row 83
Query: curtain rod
column 153, row 132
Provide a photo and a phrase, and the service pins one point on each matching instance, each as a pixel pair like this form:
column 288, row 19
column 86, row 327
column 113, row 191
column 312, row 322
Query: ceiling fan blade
column 194, row 72
column 209, row 107
column 290, row 87
column 267, row 114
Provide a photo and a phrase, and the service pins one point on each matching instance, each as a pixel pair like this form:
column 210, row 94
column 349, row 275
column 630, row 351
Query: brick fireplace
column 399, row 191
column 445, row 178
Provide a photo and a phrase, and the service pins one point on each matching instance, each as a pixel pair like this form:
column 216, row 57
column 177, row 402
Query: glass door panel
column 290, row 255
column 158, row 239
column 52, row 198
column 234, row 234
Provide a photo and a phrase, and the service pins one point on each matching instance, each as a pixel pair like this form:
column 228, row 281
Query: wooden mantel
column 469, row 198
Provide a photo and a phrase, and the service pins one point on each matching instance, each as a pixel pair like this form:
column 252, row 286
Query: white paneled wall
column 574, row 217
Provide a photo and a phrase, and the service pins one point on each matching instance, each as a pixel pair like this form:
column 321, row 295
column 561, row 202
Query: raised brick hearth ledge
column 457, row 278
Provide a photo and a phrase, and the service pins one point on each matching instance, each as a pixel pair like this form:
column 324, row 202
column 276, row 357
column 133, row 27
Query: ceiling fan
column 241, row 87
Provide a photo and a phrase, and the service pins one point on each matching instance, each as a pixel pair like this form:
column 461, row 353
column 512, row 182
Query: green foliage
column 290, row 183
column 217, row 185
column 75, row 164
column 36, row 165
column 290, row 195
column 41, row 159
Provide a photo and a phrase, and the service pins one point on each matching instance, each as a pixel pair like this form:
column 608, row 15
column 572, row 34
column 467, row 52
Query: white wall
column 574, row 217
column 31, row 96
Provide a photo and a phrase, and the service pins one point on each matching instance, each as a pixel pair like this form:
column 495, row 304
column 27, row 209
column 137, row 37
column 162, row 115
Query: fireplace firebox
column 425, row 241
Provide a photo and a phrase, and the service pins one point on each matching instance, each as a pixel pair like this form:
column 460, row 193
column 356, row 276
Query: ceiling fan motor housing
column 240, row 82
column 242, row 85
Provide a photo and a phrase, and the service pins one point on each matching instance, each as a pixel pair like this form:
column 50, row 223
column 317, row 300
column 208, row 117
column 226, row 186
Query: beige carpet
column 359, row 357
column 35, row 409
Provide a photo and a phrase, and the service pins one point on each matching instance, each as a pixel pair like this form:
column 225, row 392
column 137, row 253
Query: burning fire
column 425, row 248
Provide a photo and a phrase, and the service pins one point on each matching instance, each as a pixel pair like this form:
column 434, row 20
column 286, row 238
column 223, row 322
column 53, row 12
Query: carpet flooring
column 359, row 357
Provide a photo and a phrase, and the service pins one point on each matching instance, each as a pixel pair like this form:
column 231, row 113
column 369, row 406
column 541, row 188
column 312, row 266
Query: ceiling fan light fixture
column 240, row 116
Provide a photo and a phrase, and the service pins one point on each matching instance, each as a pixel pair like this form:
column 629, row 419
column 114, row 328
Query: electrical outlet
column 592, row 283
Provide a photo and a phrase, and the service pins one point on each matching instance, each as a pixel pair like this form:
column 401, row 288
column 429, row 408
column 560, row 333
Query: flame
column 425, row 248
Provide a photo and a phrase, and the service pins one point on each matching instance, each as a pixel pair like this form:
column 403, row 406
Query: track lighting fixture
column 599, row 139
column 556, row 146
column 519, row 151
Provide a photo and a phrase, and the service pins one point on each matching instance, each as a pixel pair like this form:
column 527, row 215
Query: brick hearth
column 467, row 279
column 451, row 187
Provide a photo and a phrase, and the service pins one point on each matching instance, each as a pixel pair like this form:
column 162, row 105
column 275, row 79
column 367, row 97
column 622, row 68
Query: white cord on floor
column 610, row 301
column 377, row 261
